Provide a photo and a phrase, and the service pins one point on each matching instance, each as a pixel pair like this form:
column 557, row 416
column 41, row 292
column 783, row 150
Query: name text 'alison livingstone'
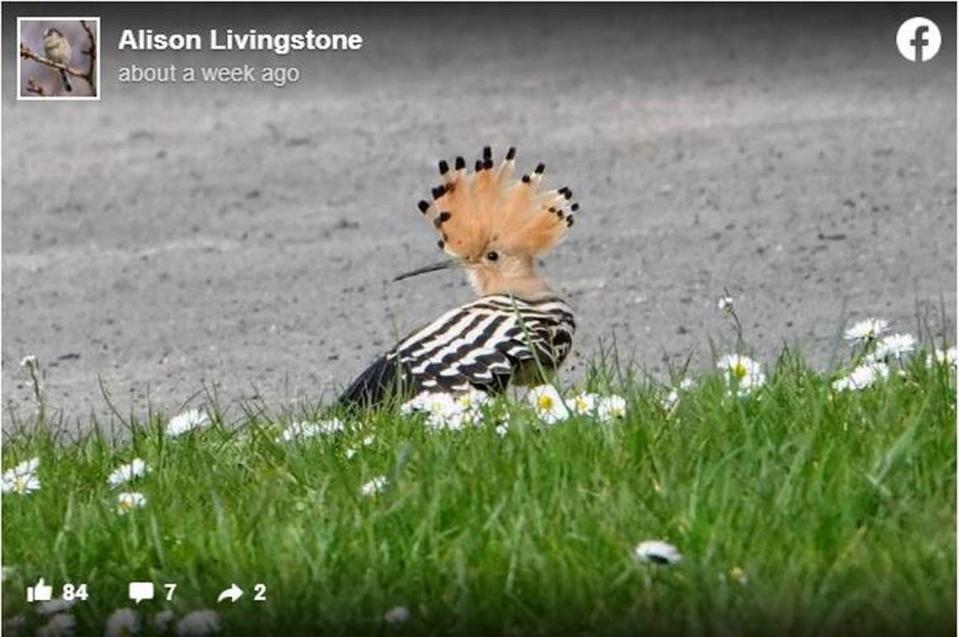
column 230, row 40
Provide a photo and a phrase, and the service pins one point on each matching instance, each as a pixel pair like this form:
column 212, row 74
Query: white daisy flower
column 374, row 486
column 397, row 615
column 451, row 418
column 657, row 552
column 56, row 605
column 162, row 620
column 128, row 501
column 299, row 430
column 198, row 623
column 944, row 357
column 448, row 421
column 27, row 466
column 862, row 377
column 302, row 430
column 22, row 479
column 446, row 411
column 895, row 345
column 669, row 400
column 866, row 330
column 742, row 373
column 470, row 405
column 725, row 304
column 548, row 404
column 842, row 384
column 350, row 452
column 187, row 421
column 62, row 625
column 124, row 622
column 124, row 473
column 368, row 440
column 21, row 484
column 583, row 404
column 501, row 429
column 611, row 407
column 331, row 426
column 472, row 399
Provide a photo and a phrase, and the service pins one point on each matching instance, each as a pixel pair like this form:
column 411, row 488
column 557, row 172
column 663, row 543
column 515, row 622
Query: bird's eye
column 492, row 256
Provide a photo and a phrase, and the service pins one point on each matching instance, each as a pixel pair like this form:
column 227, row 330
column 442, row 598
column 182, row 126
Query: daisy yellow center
column 545, row 402
column 126, row 506
column 581, row 404
column 19, row 484
column 739, row 371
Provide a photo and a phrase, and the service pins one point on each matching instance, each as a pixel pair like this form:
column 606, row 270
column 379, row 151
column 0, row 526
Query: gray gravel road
column 169, row 237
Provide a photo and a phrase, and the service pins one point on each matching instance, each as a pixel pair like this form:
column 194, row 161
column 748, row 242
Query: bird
column 493, row 226
column 57, row 49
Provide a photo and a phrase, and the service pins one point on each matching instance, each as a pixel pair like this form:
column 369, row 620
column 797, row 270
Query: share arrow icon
column 233, row 593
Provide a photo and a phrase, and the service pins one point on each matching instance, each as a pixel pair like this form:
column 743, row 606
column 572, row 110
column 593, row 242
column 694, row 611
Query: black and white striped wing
column 483, row 343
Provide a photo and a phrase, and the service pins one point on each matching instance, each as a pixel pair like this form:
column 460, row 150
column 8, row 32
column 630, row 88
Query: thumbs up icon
column 39, row 593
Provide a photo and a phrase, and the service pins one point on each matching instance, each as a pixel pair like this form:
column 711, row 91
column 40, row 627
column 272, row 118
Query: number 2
column 259, row 593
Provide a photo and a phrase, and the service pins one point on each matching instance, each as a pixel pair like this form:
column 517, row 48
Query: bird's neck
column 526, row 285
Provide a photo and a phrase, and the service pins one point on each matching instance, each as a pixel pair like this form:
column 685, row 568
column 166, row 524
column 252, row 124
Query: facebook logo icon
column 918, row 39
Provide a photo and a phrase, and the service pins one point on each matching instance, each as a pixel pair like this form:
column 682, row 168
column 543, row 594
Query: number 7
column 169, row 591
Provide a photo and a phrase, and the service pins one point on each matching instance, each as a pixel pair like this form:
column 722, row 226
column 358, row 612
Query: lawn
column 799, row 505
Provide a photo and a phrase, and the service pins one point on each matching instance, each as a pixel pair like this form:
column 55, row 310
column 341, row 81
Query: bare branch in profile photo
column 33, row 87
column 91, row 53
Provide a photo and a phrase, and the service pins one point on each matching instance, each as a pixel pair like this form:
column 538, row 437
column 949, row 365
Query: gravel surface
column 171, row 238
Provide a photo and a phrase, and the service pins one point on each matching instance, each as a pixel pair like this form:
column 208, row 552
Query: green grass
column 839, row 508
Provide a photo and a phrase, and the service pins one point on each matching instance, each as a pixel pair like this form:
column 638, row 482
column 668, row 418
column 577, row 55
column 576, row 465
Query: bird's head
column 52, row 32
column 494, row 225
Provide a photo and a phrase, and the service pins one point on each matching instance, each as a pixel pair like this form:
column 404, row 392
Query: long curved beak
column 441, row 265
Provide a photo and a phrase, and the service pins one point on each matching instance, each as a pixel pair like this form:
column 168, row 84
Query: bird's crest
column 472, row 209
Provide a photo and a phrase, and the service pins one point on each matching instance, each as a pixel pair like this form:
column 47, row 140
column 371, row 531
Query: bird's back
column 483, row 344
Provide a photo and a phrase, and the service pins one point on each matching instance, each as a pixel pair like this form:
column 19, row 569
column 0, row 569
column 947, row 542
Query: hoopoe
column 493, row 226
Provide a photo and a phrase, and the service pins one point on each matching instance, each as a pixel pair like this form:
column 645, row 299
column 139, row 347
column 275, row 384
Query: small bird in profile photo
column 57, row 49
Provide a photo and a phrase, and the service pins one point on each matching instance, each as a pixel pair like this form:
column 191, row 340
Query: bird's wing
column 481, row 345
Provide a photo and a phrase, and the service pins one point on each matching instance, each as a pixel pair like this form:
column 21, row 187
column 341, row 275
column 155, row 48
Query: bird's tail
column 66, row 81
column 378, row 384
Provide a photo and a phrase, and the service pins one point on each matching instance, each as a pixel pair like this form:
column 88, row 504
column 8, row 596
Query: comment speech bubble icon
column 140, row 591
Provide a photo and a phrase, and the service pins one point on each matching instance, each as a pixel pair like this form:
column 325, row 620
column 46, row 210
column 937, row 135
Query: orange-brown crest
column 475, row 211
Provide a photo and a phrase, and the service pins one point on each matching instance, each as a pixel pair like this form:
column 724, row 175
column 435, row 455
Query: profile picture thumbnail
column 59, row 58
